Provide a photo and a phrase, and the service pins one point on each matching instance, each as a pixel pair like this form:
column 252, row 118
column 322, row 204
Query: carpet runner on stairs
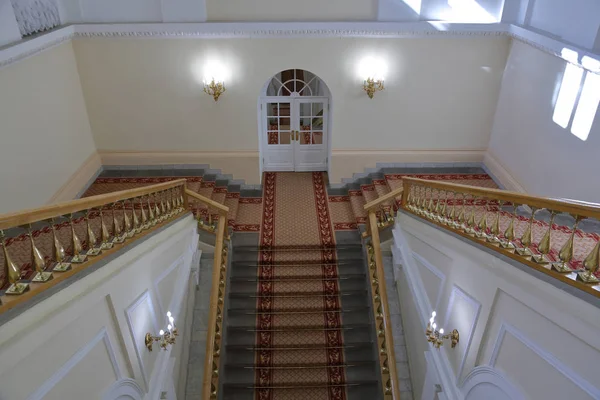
column 295, row 304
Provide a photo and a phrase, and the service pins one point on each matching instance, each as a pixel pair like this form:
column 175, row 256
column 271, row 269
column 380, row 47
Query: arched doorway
column 294, row 122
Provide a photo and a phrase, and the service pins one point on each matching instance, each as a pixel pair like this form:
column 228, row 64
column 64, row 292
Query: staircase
column 307, row 332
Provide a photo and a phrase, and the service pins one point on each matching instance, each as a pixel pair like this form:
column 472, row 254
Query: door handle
column 297, row 135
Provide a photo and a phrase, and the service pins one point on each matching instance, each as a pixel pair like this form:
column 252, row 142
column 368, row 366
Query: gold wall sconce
column 164, row 338
column 372, row 85
column 214, row 88
column 437, row 337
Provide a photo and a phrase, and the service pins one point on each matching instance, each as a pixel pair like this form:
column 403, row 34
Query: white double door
column 294, row 133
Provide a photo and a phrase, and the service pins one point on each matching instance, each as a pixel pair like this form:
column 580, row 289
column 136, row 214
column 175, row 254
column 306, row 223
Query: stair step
column 352, row 345
column 276, row 264
column 289, row 311
column 299, row 329
column 300, row 385
column 302, row 286
column 302, row 366
column 296, row 248
column 296, row 278
column 300, row 294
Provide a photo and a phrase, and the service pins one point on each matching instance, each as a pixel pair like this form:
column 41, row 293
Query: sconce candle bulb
column 164, row 338
column 436, row 337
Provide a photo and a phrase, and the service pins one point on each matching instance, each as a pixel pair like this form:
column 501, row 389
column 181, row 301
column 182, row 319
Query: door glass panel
column 305, row 137
column 317, row 109
column 317, row 137
column 317, row 123
column 284, row 124
column 305, row 124
column 272, row 137
column 285, row 138
column 305, row 110
column 273, row 124
column 272, row 109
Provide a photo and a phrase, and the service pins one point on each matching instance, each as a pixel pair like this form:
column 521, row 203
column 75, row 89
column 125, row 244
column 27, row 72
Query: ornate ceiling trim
column 27, row 48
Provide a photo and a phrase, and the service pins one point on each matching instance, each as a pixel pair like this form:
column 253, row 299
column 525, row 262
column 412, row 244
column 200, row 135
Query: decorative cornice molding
column 228, row 30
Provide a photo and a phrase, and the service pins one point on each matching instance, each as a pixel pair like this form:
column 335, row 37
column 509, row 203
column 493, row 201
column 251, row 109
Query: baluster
column 470, row 224
column 430, row 206
column 143, row 213
column 451, row 216
column 460, row 222
column 93, row 250
column 105, row 235
column 169, row 200
column 181, row 200
column 565, row 255
column 157, row 213
column 58, row 251
column 118, row 237
column 127, row 227
column 77, row 258
column 509, row 234
column 545, row 242
column 423, row 207
column 435, row 214
column 442, row 216
column 137, row 228
column 152, row 218
column 481, row 231
column 591, row 266
column 37, row 260
column 523, row 249
column 12, row 273
column 163, row 208
column 494, row 231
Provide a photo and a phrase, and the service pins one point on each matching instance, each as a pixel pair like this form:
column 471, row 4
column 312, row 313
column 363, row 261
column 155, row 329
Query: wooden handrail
column 223, row 210
column 217, row 297
column 513, row 197
column 374, row 204
column 56, row 210
column 385, row 343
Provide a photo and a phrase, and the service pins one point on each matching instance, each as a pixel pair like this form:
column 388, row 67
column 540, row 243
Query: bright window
column 571, row 90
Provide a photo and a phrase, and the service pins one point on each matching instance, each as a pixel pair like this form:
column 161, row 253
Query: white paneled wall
column 87, row 341
column 520, row 337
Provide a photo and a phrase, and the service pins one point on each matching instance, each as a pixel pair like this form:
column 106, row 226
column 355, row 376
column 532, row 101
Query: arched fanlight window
column 295, row 82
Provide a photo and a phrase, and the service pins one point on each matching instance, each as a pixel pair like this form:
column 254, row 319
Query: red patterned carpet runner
column 297, row 318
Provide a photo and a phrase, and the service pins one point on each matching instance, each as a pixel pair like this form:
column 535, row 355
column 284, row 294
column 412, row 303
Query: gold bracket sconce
column 371, row 86
column 214, row 89
column 164, row 338
column 437, row 337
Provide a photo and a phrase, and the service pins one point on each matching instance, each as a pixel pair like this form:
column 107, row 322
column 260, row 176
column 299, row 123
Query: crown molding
column 240, row 30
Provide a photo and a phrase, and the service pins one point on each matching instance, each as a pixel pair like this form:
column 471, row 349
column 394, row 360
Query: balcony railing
column 556, row 237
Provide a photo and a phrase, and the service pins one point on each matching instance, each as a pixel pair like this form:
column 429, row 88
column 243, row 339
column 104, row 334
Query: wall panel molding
column 565, row 370
column 437, row 273
column 144, row 298
column 458, row 292
column 63, row 371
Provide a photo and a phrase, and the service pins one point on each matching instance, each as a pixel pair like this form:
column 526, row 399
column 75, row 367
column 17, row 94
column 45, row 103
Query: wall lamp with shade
column 372, row 70
column 164, row 338
column 437, row 337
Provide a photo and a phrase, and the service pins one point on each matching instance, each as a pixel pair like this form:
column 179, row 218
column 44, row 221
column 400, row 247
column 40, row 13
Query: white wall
column 142, row 95
column 536, row 341
column 89, row 336
column 291, row 10
column 46, row 136
column 474, row 11
column 557, row 17
column 543, row 157
column 9, row 29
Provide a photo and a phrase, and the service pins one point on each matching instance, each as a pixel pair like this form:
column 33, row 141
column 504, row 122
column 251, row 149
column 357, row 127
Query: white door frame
column 262, row 139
